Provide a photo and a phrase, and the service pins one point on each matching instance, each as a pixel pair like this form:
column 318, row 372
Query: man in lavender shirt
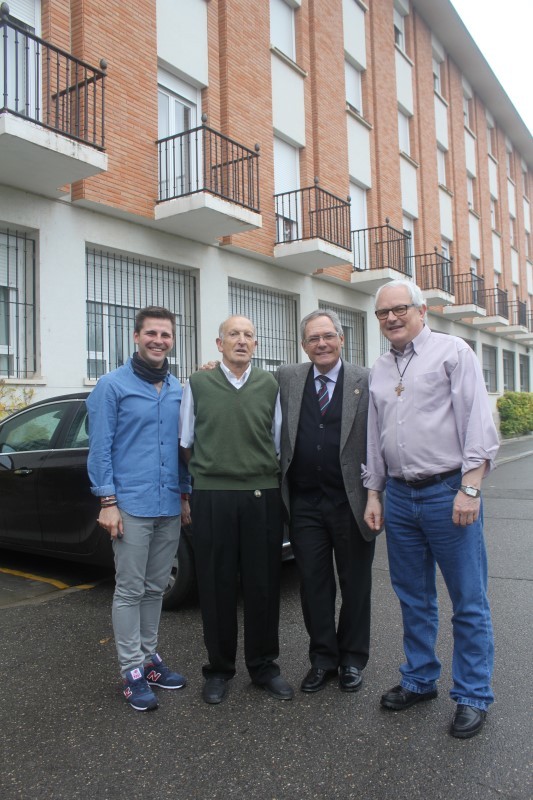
column 431, row 440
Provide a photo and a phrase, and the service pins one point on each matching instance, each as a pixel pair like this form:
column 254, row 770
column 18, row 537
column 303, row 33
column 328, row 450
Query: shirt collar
column 333, row 374
column 416, row 344
column 231, row 375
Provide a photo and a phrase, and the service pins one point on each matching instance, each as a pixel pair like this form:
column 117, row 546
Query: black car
column 46, row 506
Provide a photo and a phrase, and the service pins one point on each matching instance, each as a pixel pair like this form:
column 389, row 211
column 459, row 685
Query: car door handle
column 23, row 471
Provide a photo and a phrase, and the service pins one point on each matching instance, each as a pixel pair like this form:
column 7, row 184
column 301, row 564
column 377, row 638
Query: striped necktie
column 323, row 394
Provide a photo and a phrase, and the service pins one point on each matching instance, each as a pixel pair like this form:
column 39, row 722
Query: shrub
column 13, row 399
column 516, row 413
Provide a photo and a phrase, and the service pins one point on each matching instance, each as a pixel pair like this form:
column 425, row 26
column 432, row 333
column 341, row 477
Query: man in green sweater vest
column 230, row 429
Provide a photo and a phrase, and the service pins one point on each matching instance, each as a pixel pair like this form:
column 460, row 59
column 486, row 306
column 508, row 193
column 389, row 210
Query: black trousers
column 239, row 533
column 319, row 531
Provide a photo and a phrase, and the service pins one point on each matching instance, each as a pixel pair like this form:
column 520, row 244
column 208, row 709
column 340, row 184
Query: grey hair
column 234, row 316
column 415, row 292
column 321, row 312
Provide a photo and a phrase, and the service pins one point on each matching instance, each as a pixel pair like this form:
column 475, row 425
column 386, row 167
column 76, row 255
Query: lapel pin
column 356, row 391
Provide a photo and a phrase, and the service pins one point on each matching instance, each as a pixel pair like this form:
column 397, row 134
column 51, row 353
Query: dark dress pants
column 320, row 531
column 239, row 533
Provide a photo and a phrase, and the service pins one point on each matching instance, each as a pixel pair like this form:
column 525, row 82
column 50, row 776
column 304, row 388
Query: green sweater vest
column 233, row 446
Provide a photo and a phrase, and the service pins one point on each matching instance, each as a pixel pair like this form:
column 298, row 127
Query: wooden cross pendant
column 399, row 389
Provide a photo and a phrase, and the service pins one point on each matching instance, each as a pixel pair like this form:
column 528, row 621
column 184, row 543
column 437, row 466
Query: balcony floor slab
column 204, row 217
column 369, row 281
column 309, row 255
column 465, row 311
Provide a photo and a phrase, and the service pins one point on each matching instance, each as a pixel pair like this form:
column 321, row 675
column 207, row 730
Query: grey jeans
column 143, row 561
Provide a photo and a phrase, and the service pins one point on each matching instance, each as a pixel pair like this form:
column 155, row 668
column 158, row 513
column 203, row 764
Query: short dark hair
column 156, row 312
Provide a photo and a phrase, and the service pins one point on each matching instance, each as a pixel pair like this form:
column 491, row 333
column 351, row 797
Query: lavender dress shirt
column 441, row 420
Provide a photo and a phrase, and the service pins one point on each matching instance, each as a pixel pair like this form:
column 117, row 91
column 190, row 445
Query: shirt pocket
column 431, row 391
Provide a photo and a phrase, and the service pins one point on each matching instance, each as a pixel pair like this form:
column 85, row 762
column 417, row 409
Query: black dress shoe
column 278, row 688
column 467, row 721
column 399, row 698
column 316, row 679
column 215, row 689
column 350, row 679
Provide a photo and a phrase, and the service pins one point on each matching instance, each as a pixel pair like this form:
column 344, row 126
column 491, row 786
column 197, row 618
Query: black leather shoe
column 278, row 688
column 316, row 679
column 467, row 721
column 399, row 698
column 215, row 689
column 350, row 679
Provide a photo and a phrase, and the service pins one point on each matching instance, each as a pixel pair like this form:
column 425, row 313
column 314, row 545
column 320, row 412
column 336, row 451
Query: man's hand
column 374, row 511
column 465, row 509
column 209, row 365
column 185, row 512
column 111, row 520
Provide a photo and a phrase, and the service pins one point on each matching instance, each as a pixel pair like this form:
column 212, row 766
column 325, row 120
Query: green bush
column 516, row 413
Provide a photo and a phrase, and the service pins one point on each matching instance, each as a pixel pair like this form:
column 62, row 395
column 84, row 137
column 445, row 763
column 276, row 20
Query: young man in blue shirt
column 144, row 493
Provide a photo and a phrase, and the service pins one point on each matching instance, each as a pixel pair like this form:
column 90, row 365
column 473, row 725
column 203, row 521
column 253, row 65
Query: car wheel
column 182, row 578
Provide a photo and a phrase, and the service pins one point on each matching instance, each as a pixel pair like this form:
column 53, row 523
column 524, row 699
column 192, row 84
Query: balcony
column 51, row 114
column 208, row 186
column 434, row 275
column 497, row 309
column 526, row 338
column 469, row 291
column 517, row 328
column 380, row 254
column 312, row 230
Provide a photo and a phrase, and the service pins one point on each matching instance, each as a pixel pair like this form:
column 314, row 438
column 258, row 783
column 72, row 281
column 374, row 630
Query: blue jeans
column 421, row 534
column 143, row 562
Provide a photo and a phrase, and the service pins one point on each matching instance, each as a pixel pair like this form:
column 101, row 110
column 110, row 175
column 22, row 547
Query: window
column 524, row 373
column 508, row 371
column 491, row 138
column 494, row 214
column 489, row 367
column 437, row 75
column 441, row 166
column 525, row 188
column 512, row 231
column 468, row 111
column 509, row 161
column 286, row 186
column 282, row 27
column 399, row 30
column 32, row 430
column 354, row 87
column 179, row 148
column 404, row 133
column 117, row 287
column 353, row 325
column 471, row 191
column 274, row 316
column 17, row 305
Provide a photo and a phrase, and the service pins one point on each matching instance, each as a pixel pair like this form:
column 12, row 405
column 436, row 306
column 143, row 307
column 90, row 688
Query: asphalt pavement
column 67, row 733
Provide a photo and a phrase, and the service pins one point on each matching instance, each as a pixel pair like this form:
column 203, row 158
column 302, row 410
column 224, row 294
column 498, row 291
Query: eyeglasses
column 398, row 311
column 327, row 337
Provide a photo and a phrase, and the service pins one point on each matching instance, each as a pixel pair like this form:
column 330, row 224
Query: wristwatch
column 471, row 491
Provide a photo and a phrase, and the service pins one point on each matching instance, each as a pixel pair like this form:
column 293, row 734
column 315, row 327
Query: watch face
column 471, row 492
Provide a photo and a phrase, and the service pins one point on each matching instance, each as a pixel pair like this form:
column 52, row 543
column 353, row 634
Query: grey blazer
column 291, row 379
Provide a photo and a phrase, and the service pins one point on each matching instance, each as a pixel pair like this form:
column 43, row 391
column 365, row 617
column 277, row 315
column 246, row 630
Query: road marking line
column 30, row 577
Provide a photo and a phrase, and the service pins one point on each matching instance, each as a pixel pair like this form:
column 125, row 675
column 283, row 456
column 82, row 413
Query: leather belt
column 431, row 480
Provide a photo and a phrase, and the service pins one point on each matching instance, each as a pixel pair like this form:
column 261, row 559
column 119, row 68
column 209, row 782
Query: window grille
column 508, row 371
column 117, row 287
column 524, row 373
column 353, row 325
column 275, row 318
column 489, row 368
column 17, row 305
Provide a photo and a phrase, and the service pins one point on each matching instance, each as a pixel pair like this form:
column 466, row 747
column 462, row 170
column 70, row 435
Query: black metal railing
column 312, row 213
column 203, row 160
column 469, row 290
column 496, row 303
column 518, row 313
column 382, row 247
column 433, row 271
column 47, row 85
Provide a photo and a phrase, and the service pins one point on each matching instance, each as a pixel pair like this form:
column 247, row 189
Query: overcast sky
column 503, row 31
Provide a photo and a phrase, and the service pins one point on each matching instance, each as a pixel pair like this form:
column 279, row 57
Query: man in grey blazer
column 323, row 444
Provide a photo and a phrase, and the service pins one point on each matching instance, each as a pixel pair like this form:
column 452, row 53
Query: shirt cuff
column 104, row 491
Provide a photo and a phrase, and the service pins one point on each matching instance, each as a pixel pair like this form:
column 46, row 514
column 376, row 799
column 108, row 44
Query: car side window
column 32, row 430
column 78, row 435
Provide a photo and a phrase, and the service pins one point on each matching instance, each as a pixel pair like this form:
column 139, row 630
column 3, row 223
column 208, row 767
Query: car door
column 26, row 440
column 67, row 509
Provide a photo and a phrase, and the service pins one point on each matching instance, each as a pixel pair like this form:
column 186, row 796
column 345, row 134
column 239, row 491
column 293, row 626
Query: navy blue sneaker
column 157, row 673
column 137, row 692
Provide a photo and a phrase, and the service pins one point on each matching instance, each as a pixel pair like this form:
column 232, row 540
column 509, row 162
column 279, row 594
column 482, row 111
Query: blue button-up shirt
column 133, row 443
